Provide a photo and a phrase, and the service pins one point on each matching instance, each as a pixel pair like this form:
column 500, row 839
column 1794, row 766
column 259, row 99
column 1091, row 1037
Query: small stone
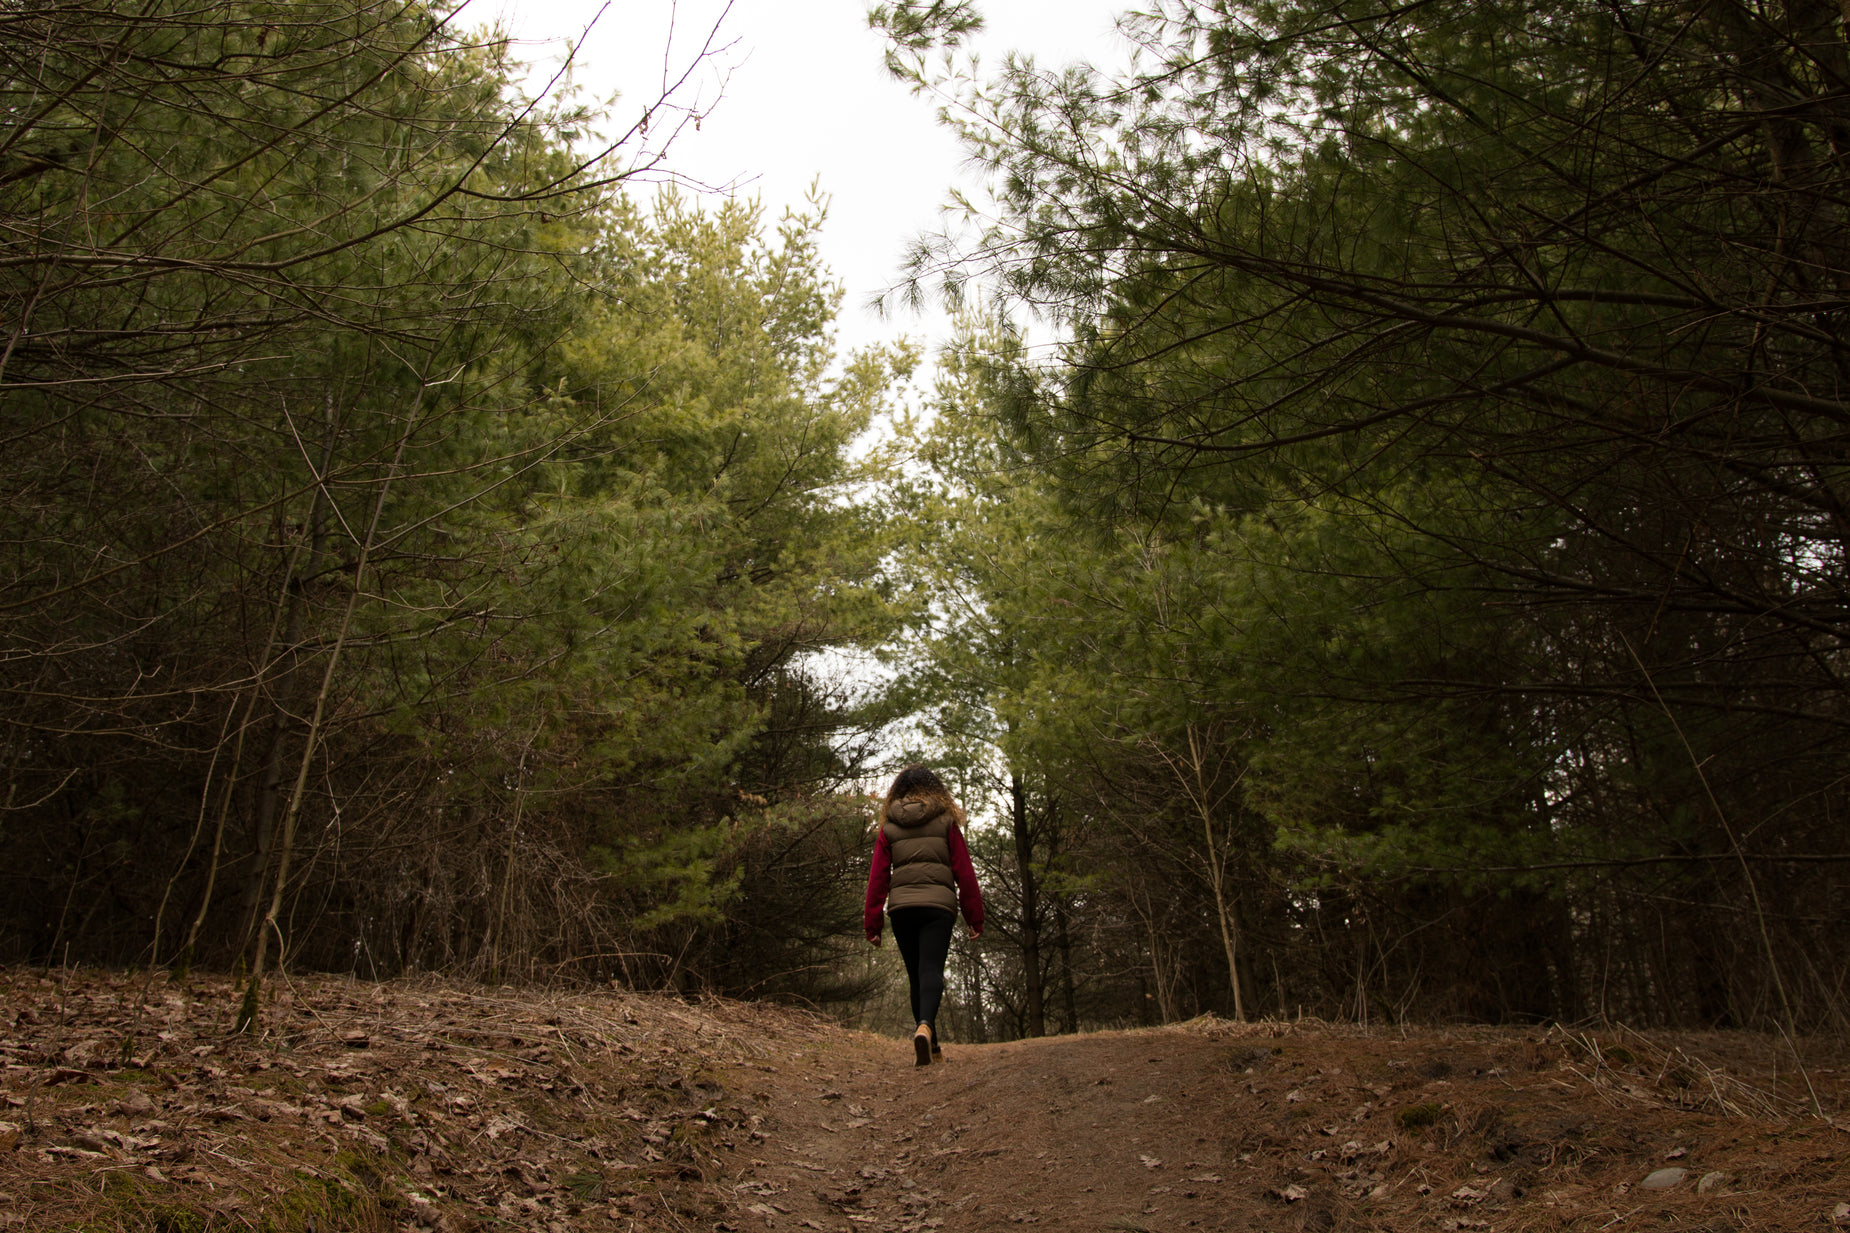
column 1842, row 1214
column 1665, row 1179
column 1711, row 1181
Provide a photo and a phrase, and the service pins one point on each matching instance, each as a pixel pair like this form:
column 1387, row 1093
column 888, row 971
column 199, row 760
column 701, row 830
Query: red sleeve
column 969, row 897
column 879, row 882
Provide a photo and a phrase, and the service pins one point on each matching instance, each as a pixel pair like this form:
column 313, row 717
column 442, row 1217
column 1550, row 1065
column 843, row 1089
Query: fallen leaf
column 759, row 1187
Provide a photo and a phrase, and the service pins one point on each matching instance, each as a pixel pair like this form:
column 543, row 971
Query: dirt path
column 1270, row 1127
column 428, row 1107
column 1089, row 1132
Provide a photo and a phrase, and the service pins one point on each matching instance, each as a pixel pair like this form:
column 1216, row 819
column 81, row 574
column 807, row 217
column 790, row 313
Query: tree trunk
column 294, row 604
column 1147, row 910
column 1068, row 997
column 979, row 1023
column 293, row 811
column 1030, row 908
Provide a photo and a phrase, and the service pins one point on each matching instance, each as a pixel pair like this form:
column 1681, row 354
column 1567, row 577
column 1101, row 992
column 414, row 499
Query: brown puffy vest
column 916, row 830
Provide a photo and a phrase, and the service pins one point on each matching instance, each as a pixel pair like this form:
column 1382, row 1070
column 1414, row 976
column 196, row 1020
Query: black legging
column 924, row 937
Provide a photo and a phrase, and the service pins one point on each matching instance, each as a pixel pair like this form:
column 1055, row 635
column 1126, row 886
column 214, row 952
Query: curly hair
column 917, row 780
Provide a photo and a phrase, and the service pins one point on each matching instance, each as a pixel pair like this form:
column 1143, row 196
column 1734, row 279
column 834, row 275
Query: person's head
column 916, row 781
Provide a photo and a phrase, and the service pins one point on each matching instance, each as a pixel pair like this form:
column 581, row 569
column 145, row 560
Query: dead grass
column 129, row 1105
column 1553, row 1130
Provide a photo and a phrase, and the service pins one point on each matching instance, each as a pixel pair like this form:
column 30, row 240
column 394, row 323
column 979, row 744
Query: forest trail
column 1214, row 1125
column 418, row 1105
column 1070, row 1132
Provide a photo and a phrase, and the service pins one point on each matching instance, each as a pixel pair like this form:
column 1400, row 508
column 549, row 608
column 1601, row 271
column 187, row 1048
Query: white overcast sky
column 799, row 95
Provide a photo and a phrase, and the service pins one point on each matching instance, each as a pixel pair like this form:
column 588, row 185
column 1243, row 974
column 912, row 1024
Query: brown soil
column 127, row 1104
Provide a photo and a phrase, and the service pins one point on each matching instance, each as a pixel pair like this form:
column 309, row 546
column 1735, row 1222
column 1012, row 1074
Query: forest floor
column 126, row 1103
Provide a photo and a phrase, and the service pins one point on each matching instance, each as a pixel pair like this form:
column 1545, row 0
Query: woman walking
column 923, row 875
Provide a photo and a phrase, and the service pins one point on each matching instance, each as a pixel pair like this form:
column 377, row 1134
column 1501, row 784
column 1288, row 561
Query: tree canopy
column 422, row 553
column 1409, row 583
column 1450, row 399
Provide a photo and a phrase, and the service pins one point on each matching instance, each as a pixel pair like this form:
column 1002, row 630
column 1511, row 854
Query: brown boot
column 921, row 1045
